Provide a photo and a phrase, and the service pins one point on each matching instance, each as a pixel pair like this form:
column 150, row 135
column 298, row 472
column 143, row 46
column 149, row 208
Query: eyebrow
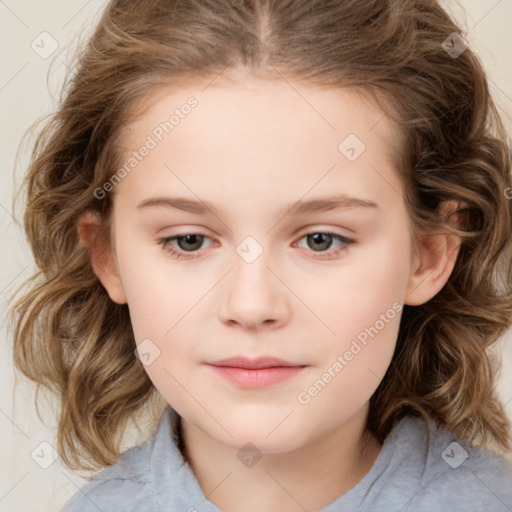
column 298, row 208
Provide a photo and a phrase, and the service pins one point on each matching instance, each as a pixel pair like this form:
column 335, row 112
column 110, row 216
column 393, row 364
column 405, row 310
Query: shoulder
column 448, row 472
column 467, row 478
column 123, row 486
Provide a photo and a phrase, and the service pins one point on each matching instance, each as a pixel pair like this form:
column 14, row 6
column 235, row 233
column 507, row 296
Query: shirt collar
column 174, row 485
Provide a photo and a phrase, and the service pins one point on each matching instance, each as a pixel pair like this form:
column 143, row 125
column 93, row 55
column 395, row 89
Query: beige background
column 25, row 96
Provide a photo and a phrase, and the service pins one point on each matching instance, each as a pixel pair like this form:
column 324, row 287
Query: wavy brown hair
column 71, row 338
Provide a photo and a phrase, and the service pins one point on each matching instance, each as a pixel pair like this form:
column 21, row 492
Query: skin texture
column 251, row 148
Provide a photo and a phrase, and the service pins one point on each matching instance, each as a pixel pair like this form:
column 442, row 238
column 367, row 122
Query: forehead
column 248, row 103
column 274, row 133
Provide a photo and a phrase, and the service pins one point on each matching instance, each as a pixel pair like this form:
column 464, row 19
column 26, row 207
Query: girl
column 356, row 375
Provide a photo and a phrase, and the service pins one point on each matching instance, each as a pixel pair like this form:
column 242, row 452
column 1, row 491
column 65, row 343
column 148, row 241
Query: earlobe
column 101, row 256
column 434, row 262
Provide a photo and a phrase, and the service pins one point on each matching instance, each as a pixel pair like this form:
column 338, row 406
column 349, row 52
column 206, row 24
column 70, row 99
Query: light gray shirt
column 410, row 474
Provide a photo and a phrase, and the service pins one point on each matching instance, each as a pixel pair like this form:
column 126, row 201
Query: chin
column 267, row 439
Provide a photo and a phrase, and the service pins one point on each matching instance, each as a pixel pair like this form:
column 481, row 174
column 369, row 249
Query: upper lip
column 252, row 364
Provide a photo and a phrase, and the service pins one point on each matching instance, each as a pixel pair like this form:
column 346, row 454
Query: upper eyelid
column 298, row 235
column 299, row 232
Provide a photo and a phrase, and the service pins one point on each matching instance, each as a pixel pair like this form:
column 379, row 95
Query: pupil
column 315, row 236
column 189, row 239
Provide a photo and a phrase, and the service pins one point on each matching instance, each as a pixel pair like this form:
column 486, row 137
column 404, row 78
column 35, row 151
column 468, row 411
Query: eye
column 190, row 243
column 321, row 240
column 186, row 243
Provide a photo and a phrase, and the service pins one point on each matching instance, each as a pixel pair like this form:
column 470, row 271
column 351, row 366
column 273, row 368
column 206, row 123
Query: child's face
column 251, row 150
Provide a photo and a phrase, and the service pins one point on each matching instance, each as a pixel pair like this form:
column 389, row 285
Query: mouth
column 255, row 373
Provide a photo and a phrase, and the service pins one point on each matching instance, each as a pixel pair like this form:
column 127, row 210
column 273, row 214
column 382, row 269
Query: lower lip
column 261, row 378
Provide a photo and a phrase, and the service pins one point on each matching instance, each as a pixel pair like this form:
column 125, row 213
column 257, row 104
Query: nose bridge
column 251, row 274
column 254, row 294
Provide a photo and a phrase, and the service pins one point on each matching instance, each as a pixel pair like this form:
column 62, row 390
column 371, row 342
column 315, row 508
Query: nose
column 254, row 297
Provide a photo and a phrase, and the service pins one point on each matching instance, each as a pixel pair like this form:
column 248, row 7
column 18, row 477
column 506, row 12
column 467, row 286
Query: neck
column 311, row 476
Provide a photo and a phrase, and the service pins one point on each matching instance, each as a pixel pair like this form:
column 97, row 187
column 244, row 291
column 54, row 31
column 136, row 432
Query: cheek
column 157, row 298
column 353, row 361
column 371, row 283
column 162, row 301
column 362, row 310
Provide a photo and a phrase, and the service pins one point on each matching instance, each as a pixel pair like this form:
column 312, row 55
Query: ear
column 434, row 263
column 101, row 255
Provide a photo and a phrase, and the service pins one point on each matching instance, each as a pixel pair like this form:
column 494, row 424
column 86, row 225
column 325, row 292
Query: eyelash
column 164, row 242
